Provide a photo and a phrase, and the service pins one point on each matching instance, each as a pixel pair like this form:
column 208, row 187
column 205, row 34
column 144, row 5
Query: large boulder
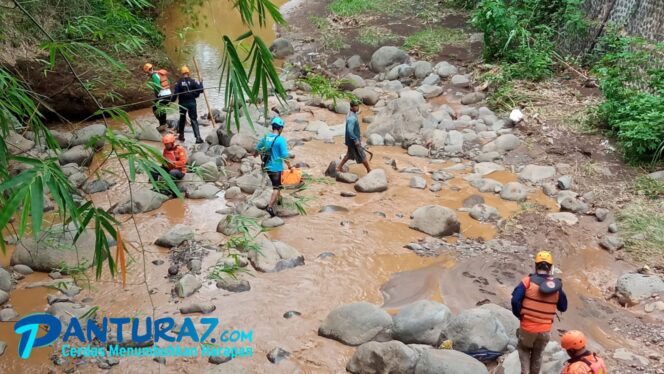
column 633, row 287
column 435, row 220
column 476, row 329
column 248, row 183
column 430, row 91
column 502, row 144
column 367, row 95
column 187, row 285
column 17, row 144
column 422, row 69
column 78, row 155
column 357, row 323
column 274, row 256
column 204, row 191
column 421, row 322
column 351, row 82
column 402, row 117
column 375, row 181
column 140, row 202
column 175, row 236
column 55, row 248
column 553, row 360
column 445, row 361
column 84, row 136
column 391, row 357
column 146, row 130
column 387, row 56
column 65, row 311
column 505, row 316
column 5, row 281
column 209, row 171
column 537, row 173
column 444, row 69
column 189, row 182
column 281, row 48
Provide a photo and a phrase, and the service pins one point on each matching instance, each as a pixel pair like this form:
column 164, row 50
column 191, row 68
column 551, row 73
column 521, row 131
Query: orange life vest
column 163, row 78
column 178, row 157
column 588, row 364
column 538, row 308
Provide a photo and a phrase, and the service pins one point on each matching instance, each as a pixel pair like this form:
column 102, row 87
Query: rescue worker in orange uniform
column 176, row 158
column 582, row 361
column 534, row 302
column 158, row 81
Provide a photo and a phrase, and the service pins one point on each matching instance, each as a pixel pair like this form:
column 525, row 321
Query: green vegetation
column 333, row 41
column 376, row 35
column 642, row 226
column 325, row 88
column 347, row 8
column 649, row 187
column 430, row 41
column 225, row 270
column 320, row 23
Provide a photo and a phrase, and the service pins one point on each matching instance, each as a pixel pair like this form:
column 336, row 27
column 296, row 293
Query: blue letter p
column 28, row 327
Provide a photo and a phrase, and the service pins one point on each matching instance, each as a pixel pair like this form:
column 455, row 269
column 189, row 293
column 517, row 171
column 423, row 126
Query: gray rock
column 537, row 173
column 277, row 355
column 97, row 185
column 234, row 153
column 486, row 185
column 472, row 98
column 187, row 285
column 445, row 69
column 562, row 195
column 405, row 71
column 430, row 91
column 573, row 205
column 175, row 236
column 367, row 95
column 421, row 322
column 281, row 48
column 431, row 80
column 417, row 150
column 146, row 130
column 143, row 201
column 435, row 220
column 84, row 136
column 553, row 360
column 613, row 228
column 387, row 56
column 66, row 311
column 232, row 284
column 4, row 297
column 209, row 172
column 502, row 144
column 354, row 62
column 508, row 320
column 8, row 314
column 418, row 182
column 272, row 222
column 3, row 348
column 347, row 177
column 204, row 308
column 5, row 280
column 441, row 176
column 460, row 81
column 402, row 118
column 54, row 248
column 357, row 323
column 389, row 139
column 601, row 214
column 22, row 269
column 611, row 242
column 78, row 155
column 567, row 218
column 632, row 288
column 218, row 360
column 475, row 329
column 483, row 213
column 274, row 256
column 63, row 138
column 375, row 181
column 351, row 82
column 391, row 357
column 190, row 182
column 248, row 183
column 233, row 193
column 514, row 191
column 375, row 139
column 488, row 157
column 204, row 191
column 486, row 168
column 422, row 69
column 565, row 182
column 624, row 355
column 342, row 107
column 436, row 187
column 445, row 361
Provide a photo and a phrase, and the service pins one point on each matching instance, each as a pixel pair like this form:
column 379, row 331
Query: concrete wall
column 638, row 17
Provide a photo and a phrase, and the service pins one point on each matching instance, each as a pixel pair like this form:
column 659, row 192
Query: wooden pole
column 207, row 102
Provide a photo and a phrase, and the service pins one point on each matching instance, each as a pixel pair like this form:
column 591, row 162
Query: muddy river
column 367, row 239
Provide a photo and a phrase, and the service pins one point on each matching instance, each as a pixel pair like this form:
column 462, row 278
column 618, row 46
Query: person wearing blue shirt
column 274, row 152
column 355, row 151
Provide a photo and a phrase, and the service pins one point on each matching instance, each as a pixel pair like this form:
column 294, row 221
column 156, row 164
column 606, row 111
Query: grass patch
column 320, row 23
column 333, row 42
column 430, row 42
column 347, row 8
column 585, row 122
column 649, row 187
column 376, row 35
column 642, row 225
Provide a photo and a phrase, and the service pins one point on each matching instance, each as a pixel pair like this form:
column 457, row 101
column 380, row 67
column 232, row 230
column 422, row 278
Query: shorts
column 275, row 178
column 356, row 153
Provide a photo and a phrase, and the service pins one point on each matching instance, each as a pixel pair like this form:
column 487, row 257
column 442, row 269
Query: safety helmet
column 278, row 122
column 573, row 339
column 147, row 67
column 168, row 139
column 544, row 256
column 184, row 69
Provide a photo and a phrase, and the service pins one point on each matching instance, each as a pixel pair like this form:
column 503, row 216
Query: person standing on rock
column 581, row 360
column 161, row 85
column 355, row 151
column 176, row 159
column 186, row 91
column 274, row 152
column 534, row 302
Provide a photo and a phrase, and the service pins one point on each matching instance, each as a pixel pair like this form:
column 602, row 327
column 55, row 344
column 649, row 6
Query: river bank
column 353, row 243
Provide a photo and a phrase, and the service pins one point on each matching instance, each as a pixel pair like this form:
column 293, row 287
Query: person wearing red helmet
column 581, row 360
column 176, row 158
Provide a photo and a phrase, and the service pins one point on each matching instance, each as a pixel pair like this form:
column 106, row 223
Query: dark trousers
column 159, row 109
column 188, row 107
column 176, row 174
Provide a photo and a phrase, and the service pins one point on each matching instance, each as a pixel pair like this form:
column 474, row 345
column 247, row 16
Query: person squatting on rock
column 355, row 151
column 186, row 91
column 581, row 360
column 158, row 81
column 534, row 302
column 176, row 158
column 274, row 152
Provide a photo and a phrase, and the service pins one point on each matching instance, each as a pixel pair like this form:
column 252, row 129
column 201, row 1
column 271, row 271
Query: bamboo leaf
column 37, row 206
column 8, row 211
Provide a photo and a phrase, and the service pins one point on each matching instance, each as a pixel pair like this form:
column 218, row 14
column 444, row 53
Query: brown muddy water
column 369, row 262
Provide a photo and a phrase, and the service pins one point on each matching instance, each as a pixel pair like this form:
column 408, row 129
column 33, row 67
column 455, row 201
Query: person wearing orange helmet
column 176, row 158
column 186, row 90
column 534, row 302
column 161, row 85
column 581, row 360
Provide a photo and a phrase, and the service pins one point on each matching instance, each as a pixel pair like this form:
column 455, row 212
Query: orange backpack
column 291, row 177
